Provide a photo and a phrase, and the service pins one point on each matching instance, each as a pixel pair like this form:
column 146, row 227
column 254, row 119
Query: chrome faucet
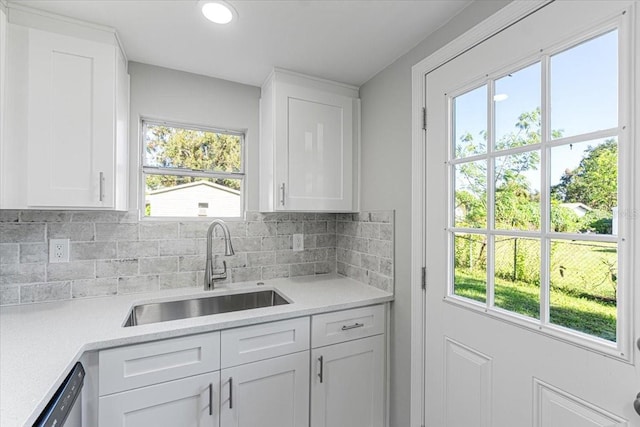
column 209, row 275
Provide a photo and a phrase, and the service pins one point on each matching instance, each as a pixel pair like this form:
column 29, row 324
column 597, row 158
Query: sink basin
column 182, row 309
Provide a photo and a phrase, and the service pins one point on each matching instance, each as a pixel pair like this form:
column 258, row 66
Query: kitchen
column 110, row 240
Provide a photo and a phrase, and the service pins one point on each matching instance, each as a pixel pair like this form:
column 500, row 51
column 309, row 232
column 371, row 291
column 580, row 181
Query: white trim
column 495, row 23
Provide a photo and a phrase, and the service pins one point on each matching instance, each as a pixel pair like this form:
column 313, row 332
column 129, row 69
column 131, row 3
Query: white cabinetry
column 347, row 388
column 309, row 144
column 66, row 146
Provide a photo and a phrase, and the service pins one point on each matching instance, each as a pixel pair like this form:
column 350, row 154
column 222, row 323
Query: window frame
column 144, row 170
column 622, row 348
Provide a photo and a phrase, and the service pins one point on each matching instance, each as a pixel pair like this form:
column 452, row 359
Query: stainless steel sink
column 194, row 307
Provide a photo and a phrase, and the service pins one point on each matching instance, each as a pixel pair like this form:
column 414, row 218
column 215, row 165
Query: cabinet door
column 71, row 121
column 188, row 402
column 314, row 144
column 269, row 393
column 347, row 386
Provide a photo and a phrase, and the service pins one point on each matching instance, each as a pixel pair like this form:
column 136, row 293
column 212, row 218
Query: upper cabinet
column 65, row 143
column 309, row 144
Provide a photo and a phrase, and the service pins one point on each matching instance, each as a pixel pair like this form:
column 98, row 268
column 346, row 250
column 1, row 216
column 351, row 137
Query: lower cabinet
column 268, row 393
column 348, row 386
column 187, row 402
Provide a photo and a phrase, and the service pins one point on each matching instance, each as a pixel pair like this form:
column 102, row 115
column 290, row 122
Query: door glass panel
column 470, row 123
column 584, row 87
column 517, row 191
column 517, row 275
column 517, row 108
column 583, row 281
column 470, row 266
column 471, row 195
column 584, row 187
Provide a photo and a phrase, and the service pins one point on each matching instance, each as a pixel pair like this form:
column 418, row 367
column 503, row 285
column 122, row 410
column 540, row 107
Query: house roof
column 194, row 184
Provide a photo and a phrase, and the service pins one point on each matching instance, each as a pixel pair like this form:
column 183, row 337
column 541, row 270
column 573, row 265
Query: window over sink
column 191, row 171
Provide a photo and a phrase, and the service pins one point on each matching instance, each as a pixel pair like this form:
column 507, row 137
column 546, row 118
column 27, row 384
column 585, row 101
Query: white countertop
column 40, row 343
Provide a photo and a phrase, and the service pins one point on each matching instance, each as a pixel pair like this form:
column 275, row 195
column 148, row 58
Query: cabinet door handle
column 230, row 392
column 282, row 194
column 101, row 186
column 354, row 326
column 321, row 373
column 210, row 399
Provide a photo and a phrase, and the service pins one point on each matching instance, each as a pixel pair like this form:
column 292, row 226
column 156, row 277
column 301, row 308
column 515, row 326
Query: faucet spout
column 209, row 275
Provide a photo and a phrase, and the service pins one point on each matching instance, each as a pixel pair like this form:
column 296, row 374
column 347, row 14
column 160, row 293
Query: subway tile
column 94, row 287
column 354, row 243
column 370, row 262
column 325, row 267
column 381, row 216
column 179, row 280
column 267, row 216
column 217, row 245
column 331, row 227
column 362, row 217
column 77, row 232
column 105, row 217
column 193, row 230
column 236, row 229
column 191, row 263
column 41, row 292
column 140, row 249
column 7, row 215
column 381, row 248
column 275, row 271
column 386, row 267
column 369, row 230
column 310, row 240
column 305, row 269
column 247, row 244
column 34, row 252
column 129, row 285
column 9, row 294
column 344, row 217
column 315, row 227
column 355, row 273
column 92, row 250
column 289, row 227
column 325, row 216
column 22, row 273
column 326, row 240
column 117, row 267
column 276, row 243
column 158, row 230
column 11, row 232
column 261, row 229
column 45, row 216
column 238, row 260
column 71, row 270
column 381, row 282
column 177, row 247
column 386, row 231
column 160, row 265
column 9, row 253
column 258, row 259
column 246, row 274
column 111, row 232
column 290, row 257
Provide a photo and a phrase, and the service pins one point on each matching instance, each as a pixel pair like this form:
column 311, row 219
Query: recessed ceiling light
column 218, row 11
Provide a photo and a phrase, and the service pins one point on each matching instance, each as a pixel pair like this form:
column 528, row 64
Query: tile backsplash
column 115, row 253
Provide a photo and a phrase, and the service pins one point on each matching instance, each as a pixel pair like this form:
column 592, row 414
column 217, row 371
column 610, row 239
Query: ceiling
column 344, row 40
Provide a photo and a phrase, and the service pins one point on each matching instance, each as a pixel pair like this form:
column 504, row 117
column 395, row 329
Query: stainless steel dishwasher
column 65, row 407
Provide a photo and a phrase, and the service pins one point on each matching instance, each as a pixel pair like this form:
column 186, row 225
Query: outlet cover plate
column 58, row 250
column 298, row 242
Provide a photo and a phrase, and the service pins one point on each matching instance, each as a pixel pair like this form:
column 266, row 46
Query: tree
column 190, row 149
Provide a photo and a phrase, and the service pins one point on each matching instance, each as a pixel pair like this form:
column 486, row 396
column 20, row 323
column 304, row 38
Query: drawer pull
column 230, row 392
column 354, row 326
column 210, row 399
column 321, row 374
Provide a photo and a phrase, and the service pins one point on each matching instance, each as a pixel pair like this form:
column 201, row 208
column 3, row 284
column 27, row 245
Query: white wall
column 386, row 168
column 161, row 93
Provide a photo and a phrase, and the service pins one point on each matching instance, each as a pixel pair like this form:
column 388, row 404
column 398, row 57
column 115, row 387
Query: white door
column 188, row 402
column 269, row 393
column 347, row 387
column 531, row 219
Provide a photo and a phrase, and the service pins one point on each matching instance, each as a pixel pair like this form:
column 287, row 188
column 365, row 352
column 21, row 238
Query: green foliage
column 190, row 149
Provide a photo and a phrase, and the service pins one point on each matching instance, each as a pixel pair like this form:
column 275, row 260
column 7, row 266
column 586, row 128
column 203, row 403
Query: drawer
column 264, row 341
column 340, row 326
column 126, row 368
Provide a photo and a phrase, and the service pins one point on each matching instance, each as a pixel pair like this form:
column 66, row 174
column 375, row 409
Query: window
column 191, row 171
column 534, row 191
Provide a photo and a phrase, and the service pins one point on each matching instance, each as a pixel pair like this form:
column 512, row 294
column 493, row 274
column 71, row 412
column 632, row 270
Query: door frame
column 505, row 17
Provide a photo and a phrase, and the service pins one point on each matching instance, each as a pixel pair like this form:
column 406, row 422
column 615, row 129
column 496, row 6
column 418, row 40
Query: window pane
column 517, row 275
column 584, row 287
column 517, row 191
column 470, row 123
column 172, row 147
column 471, row 195
column 584, row 187
column 517, row 108
column 183, row 196
column 470, row 266
column 584, row 87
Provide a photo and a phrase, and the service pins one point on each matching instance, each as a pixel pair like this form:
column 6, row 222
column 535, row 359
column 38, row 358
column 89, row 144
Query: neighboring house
column 199, row 198
column 579, row 209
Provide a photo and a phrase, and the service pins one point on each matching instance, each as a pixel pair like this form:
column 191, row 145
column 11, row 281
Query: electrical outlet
column 58, row 250
column 298, row 242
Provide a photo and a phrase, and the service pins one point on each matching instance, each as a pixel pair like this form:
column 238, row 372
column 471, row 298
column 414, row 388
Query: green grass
column 586, row 314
